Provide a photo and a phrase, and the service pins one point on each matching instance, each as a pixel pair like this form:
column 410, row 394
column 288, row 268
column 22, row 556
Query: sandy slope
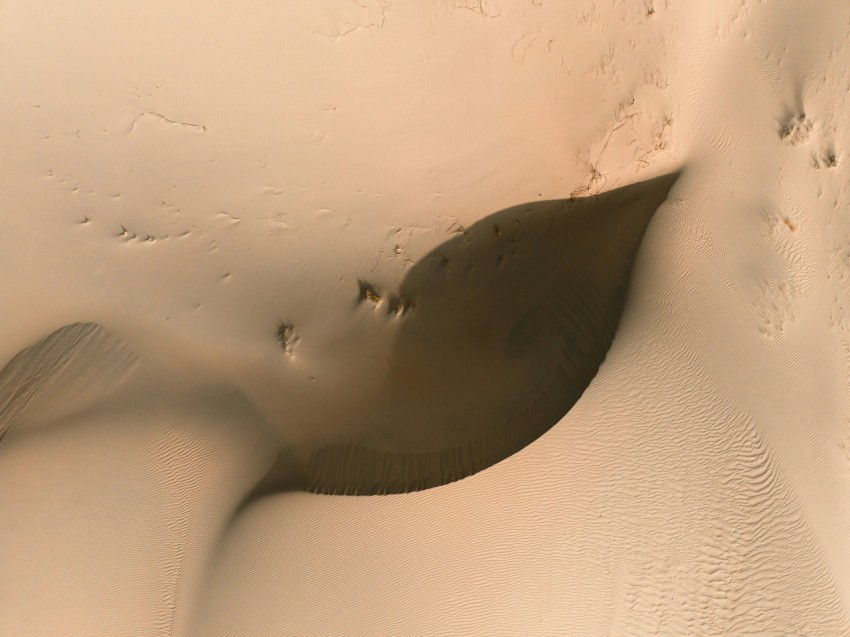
column 195, row 178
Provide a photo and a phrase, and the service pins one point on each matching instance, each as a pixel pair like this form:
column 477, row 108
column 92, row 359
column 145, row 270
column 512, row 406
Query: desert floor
column 240, row 194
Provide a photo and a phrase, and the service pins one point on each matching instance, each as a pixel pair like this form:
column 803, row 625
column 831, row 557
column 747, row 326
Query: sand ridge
column 252, row 223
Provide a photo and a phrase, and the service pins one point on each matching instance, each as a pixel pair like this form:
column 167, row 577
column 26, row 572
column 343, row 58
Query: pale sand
column 282, row 236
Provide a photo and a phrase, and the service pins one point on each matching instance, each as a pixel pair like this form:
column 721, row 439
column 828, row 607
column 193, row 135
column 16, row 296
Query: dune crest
column 504, row 327
column 63, row 373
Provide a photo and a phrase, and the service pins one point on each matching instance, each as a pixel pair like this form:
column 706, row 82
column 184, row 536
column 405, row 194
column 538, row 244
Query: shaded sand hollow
column 565, row 282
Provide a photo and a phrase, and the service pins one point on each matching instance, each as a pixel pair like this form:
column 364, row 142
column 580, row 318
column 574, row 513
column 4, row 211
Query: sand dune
column 503, row 328
column 253, row 256
column 72, row 368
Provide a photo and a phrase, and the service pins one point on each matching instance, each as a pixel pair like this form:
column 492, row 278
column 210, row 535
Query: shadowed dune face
column 504, row 326
column 501, row 329
column 212, row 182
column 63, row 373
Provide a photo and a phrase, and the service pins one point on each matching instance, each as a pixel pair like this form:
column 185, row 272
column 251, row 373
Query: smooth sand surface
column 569, row 279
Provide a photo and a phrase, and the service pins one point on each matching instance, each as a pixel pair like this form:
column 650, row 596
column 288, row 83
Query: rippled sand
column 566, row 281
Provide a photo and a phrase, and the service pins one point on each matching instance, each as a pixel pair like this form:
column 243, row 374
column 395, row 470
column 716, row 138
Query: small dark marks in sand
column 397, row 306
column 826, row 159
column 368, row 292
column 796, row 130
column 287, row 337
column 128, row 235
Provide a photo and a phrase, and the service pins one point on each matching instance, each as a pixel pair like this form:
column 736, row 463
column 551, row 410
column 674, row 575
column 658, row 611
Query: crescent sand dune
column 503, row 328
column 590, row 257
column 63, row 373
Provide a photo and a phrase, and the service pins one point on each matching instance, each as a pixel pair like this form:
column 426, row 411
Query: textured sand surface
column 240, row 244
column 500, row 331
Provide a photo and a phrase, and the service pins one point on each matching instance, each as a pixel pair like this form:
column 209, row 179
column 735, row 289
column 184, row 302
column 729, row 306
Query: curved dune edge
column 582, row 302
column 197, row 176
column 63, row 373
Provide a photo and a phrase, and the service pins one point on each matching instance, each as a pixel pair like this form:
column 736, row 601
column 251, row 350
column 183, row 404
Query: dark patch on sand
column 499, row 349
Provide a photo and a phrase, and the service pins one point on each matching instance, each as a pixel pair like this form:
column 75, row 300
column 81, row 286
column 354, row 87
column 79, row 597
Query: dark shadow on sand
column 504, row 327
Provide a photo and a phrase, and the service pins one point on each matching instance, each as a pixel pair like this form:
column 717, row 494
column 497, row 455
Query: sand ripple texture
column 239, row 244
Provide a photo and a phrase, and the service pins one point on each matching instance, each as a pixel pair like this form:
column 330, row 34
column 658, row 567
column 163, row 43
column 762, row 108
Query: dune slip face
column 258, row 260
column 504, row 327
column 67, row 371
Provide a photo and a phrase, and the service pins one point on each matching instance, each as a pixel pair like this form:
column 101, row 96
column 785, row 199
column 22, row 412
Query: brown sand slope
column 63, row 373
column 505, row 326
column 196, row 175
